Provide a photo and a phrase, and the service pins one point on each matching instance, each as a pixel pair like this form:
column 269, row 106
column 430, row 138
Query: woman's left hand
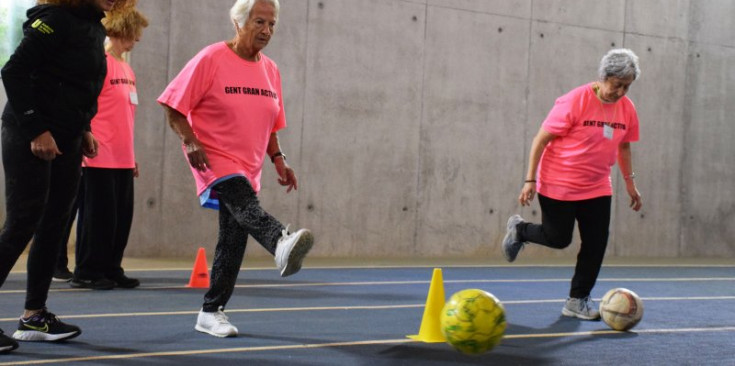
column 286, row 175
column 636, row 202
column 89, row 145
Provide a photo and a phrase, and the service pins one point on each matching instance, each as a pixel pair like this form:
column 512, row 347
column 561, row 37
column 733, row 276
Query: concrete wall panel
column 657, row 156
column 513, row 8
column 658, row 18
column 360, row 143
column 150, row 63
column 711, row 22
column 607, row 15
column 474, row 104
column 708, row 177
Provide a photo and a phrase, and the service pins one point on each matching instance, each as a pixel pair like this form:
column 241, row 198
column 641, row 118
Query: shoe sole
column 82, row 285
column 36, row 336
column 299, row 251
column 572, row 314
column 134, row 285
column 62, row 280
column 204, row 330
column 8, row 348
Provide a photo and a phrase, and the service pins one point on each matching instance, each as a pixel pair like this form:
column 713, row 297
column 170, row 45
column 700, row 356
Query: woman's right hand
column 527, row 193
column 44, row 147
column 196, row 155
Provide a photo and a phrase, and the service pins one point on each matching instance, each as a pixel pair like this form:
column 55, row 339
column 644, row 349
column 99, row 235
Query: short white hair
column 619, row 63
column 240, row 12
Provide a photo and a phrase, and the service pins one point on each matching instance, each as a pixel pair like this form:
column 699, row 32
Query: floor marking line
column 356, row 307
column 440, row 265
column 219, row 350
column 418, row 282
column 608, row 332
column 356, row 343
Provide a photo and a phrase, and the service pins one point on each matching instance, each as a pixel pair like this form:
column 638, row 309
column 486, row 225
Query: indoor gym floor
column 333, row 313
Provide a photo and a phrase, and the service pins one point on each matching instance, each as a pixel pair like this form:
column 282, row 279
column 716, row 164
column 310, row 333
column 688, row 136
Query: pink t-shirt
column 114, row 122
column 233, row 106
column 576, row 165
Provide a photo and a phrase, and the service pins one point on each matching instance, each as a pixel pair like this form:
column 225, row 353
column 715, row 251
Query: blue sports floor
column 330, row 315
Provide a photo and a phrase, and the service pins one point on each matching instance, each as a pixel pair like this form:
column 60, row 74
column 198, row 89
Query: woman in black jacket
column 52, row 81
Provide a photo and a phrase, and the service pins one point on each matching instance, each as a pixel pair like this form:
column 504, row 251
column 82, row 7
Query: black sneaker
column 7, row 344
column 123, row 281
column 44, row 326
column 62, row 275
column 97, row 284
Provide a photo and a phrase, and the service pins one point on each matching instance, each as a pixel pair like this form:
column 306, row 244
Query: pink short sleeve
column 190, row 85
column 561, row 117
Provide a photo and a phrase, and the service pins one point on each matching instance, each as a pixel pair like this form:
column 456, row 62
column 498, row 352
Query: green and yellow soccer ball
column 473, row 321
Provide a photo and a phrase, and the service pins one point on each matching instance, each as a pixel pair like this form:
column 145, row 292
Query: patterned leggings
column 240, row 215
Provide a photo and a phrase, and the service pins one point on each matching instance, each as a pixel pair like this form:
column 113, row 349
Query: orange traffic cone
column 430, row 330
column 200, row 273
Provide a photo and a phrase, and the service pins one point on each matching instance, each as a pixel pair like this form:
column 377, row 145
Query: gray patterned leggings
column 240, row 215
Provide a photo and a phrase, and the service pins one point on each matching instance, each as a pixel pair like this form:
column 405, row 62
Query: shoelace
column 44, row 317
column 285, row 231
column 220, row 317
column 586, row 304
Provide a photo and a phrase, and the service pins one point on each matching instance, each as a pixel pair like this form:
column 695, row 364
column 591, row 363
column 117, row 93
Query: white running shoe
column 291, row 250
column 216, row 324
column 583, row 308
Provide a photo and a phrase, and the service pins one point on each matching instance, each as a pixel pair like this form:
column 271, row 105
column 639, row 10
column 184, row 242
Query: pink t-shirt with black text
column 233, row 106
column 576, row 165
column 114, row 123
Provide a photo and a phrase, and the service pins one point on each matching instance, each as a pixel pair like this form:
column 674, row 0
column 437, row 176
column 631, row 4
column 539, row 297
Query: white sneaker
column 583, row 308
column 291, row 250
column 216, row 324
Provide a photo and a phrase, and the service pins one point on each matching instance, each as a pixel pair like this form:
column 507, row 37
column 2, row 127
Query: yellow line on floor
column 351, row 344
column 357, row 307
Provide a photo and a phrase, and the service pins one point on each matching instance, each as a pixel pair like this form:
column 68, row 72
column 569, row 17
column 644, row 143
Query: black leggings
column 105, row 218
column 557, row 227
column 39, row 196
column 240, row 215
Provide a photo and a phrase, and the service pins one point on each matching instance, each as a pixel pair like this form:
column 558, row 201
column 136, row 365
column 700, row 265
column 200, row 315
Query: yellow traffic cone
column 430, row 331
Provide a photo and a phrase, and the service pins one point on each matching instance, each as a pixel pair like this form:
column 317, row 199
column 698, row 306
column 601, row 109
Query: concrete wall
column 410, row 121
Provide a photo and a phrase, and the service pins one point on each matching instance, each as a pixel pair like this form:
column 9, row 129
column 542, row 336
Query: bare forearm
column 179, row 124
column 625, row 160
column 273, row 145
column 537, row 149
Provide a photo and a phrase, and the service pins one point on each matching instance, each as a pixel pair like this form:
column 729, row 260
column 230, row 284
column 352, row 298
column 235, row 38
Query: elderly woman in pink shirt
column 106, row 192
column 584, row 134
column 226, row 105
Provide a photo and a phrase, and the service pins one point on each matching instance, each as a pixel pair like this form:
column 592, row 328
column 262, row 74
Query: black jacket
column 55, row 75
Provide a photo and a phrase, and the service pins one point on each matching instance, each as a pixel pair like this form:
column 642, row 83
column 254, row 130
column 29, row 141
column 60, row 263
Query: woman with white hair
column 226, row 105
column 584, row 134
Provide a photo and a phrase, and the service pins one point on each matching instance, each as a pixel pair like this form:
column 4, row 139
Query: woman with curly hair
column 106, row 192
column 52, row 82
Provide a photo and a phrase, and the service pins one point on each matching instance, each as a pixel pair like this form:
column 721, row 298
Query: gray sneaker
column 511, row 245
column 291, row 250
column 581, row 308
